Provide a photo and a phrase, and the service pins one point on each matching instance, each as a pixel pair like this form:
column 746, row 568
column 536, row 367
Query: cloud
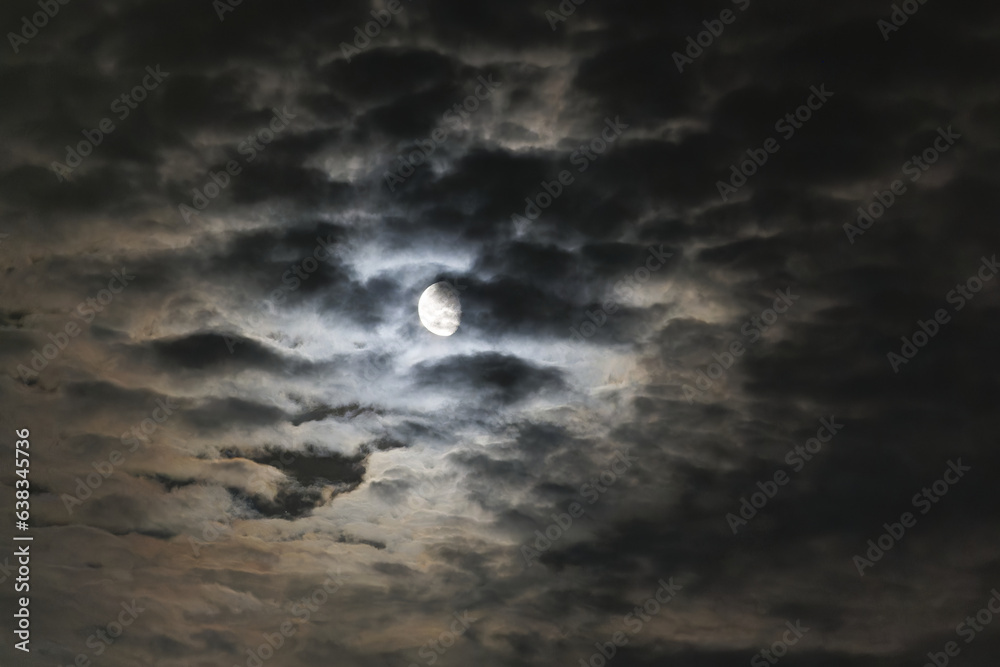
column 319, row 427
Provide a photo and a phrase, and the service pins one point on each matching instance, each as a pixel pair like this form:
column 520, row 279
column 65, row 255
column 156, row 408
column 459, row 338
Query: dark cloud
column 203, row 350
column 317, row 427
column 500, row 377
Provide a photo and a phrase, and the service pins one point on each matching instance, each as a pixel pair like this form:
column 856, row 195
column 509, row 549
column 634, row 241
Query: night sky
column 724, row 390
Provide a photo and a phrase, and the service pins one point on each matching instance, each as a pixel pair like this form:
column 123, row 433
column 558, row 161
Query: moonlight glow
column 440, row 310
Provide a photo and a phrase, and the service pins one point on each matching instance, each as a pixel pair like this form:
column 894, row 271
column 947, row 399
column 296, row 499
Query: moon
column 440, row 309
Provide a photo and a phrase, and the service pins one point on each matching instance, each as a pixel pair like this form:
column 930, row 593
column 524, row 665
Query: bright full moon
column 440, row 310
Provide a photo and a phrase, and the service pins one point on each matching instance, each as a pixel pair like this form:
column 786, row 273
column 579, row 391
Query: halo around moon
column 440, row 309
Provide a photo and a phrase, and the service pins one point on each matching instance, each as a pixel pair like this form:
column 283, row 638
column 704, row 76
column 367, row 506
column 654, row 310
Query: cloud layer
column 238, row 423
